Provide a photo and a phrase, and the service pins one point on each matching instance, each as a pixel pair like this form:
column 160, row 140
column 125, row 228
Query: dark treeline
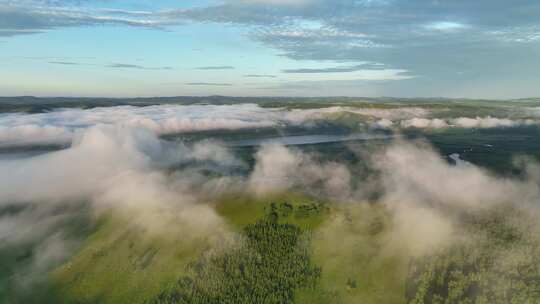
column 31, row 104
column 267, row 267
column 498, row 263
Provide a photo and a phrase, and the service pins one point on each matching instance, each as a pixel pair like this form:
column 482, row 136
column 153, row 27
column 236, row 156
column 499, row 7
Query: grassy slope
column 356, row 268
column 242, row 210
column 119, row 264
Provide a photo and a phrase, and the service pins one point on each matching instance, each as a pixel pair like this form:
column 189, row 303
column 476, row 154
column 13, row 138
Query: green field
column 121, row 263
column 297, row 246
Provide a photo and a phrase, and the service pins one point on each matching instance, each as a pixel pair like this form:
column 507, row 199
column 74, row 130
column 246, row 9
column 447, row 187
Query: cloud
column 424, row 123
column 100, row 141
column 424, row 193
column 112, row 169
column 17, row 32
column 111, row 66
column 60, row 126
column 409, row 36
column 219, row 67
column 17, row 129
column 307, row 32
column 281, row 169
column 383, row 124
column 345, row 69
column 466, row 122
column 428, row 196
column 406, row 35
column 64, row 63
column 523, row 34
column 411, row 174
column 29, row 134
column 135, row 66
column 117, row 163
column 363, row 83
column 446, row 26
column 485, row 122
column 259, row 76
column 278, row 2
column 126, row 12
column 118, row 168
column 31, row 18
column 214, row 84
column 415, row 174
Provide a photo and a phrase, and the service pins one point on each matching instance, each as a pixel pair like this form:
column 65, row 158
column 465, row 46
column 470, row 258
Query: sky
column 400, row 48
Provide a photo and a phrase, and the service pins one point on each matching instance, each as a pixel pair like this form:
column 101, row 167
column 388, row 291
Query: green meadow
column 121, row 263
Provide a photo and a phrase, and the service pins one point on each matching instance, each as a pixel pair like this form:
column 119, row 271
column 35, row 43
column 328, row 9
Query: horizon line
column 272, row 97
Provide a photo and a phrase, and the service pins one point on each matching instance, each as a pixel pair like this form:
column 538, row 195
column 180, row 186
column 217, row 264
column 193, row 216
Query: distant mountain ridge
column 31, row 104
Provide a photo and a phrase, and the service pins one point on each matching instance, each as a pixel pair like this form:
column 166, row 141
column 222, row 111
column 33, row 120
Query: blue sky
column 458, row 48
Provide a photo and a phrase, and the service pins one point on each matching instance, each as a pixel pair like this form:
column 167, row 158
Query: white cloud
column 446, row 26
column 423, row 123
column 118, row 167
column 108, row 168
column 485, row 122
column 62, row 125
column 279, row 168
column 526, row 34
column 33, row 17
column 466, row 123
column 31, row 133
column 383, row 124
column 301, row 115
column 425, row 193
column 277, row 2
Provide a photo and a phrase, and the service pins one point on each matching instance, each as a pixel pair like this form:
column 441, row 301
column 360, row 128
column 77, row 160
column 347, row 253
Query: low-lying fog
column 60, row 126
column 116, row 162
